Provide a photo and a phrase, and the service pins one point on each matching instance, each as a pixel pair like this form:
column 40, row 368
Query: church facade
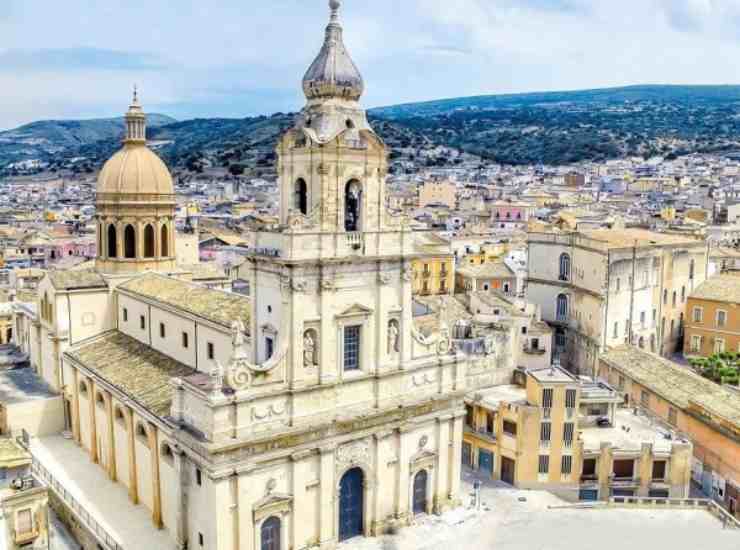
column 311, row 413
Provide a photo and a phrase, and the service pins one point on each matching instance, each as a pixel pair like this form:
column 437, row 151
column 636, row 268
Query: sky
column 237, row 58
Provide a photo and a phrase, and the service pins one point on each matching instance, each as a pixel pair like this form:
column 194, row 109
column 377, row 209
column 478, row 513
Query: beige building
column 24, row 521
column 569, row 436
column 318, row 409
column 438, row 192
column 713, row 317
column 602, row 288
column 704, row 412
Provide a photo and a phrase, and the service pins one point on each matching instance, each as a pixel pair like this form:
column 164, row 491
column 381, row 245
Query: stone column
column 380, row 472
column 407, row 322
column 645, row 469
column 328, row 334
column 112, row 470
column 76, row 407
column 93, row 427
column 328, row 489
column 402, row 481
column 455, row 454
column 442, row 490
column 301, row 532
column 153, row 438
column 247, row 496
column 133, row 490
column 180, row 499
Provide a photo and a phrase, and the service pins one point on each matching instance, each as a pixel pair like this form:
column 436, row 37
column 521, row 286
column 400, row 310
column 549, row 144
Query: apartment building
column 706, row 413
column 569, row 435
column 604, row 288
column 488, row 276
column 713, row 317
column 438, row 192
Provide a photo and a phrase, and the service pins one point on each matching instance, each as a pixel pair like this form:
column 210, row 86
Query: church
column 310, row 413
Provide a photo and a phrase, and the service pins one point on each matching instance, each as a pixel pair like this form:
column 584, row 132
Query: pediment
column 356, row 310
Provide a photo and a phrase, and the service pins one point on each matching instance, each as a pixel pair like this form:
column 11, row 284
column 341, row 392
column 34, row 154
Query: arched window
column 149, row 241
column 301, row 196
column 564, row 267
column 129, row 242
column 352, row 206
column 561, row 312
column 270, row 534
column 112, row 242
column 100, row 240
column 164, row 242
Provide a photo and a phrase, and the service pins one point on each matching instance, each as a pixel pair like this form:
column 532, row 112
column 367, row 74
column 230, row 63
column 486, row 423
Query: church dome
column 333, row 74
column 135, row 169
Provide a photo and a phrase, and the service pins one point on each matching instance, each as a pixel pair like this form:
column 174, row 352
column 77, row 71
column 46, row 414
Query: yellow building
column 567, row 435
column 434, row 275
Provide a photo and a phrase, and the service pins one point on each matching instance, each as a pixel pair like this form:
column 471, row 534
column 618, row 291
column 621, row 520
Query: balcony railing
column 533, row 351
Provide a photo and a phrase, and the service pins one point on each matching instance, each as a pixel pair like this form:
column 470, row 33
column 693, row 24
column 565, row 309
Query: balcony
column 624, row 481
column 25, row 537
column 533, row 351
column 589, row 478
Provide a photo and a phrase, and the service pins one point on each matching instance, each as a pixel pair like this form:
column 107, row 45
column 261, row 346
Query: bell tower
column 332, row 165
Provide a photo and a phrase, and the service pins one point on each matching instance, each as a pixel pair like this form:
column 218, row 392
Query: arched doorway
column 129, row 242
column 351, row 502
column 112, row 242
column 301, row 196
column 420, row 492
column 352, row 206
column 270, row 534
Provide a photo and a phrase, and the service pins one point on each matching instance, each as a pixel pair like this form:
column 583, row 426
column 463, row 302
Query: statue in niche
column 309, row 349
column 393, row 338
column 237, row 334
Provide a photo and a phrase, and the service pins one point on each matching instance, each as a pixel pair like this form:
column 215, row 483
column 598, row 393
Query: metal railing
column 84, row 517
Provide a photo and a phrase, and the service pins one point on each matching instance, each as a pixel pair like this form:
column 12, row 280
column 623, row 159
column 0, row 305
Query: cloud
column 77, row 59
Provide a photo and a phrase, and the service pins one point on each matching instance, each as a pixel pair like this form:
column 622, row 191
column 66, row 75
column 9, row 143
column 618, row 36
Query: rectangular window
column 125, row 315
column 672, row 416
column 695, row 344
column 698, row 314
column 624, row 469
column 547, row 395
column 721, row 318
column 269, row 348
column 211, row 351
column 719, row 345
column 352, row 348
column 24, row 521
column 545, row 431
column 509, row 427
column 490, row 426
column 589, row 468
column 659, row 470
column 568, row 433
column 570, row 399
column 142, row 322
column 544, row 465
column 566, row 464
column 535, row 343
column 469, row 416
column 162, row 331
column 615, row 334
column 642, row 319
column 655, row 317
column 645, row 399
column 620, row 383
column 185, row 339
column 198, row 476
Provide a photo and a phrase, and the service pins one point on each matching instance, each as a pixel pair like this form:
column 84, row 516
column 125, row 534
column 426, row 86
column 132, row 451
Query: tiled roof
column 217, row 306
column 674, row 382
column 137, row 370
column 76, row 279
column 488, row 270
column 724, row 288
column 623, row 238
column 12, row 454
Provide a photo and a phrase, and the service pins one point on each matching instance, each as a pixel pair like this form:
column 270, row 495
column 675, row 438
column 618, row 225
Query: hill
column 549, row 127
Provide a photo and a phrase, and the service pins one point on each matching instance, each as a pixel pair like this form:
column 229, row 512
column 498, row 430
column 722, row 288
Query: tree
column 722, row 368
column 236, row 169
